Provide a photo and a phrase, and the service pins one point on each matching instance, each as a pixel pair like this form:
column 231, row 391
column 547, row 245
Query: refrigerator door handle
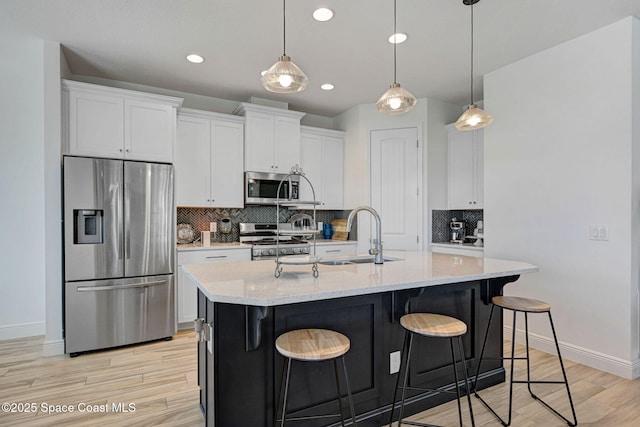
column 114, row 287
column 127, row 221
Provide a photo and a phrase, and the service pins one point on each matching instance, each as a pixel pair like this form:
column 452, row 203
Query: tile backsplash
column 440, row 223
column 199, row 218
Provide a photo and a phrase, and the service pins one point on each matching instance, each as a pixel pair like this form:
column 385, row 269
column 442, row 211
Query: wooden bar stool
column 435, row 326
column 313, row 345
column 526, row 306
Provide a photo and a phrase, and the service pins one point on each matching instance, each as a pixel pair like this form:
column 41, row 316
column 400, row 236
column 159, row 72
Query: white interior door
column 396, row 186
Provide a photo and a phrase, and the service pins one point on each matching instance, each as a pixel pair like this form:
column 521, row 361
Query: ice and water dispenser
column 88, row 226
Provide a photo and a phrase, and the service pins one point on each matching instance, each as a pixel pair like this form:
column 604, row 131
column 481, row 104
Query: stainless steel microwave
column 261, row 188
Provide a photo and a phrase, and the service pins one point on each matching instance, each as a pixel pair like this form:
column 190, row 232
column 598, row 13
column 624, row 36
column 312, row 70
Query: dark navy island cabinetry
column 239, row 367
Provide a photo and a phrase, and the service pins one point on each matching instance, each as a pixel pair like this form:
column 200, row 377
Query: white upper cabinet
column 322, row 160
column 107, row 122
column 272, row 138
column 465, row 168
column 209, row 160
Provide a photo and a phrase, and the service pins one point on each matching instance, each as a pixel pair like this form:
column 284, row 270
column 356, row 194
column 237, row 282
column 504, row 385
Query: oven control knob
column 283, row 251
column 272, row 252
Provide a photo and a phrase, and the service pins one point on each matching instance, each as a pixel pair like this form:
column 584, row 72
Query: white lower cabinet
column 187, row 291
column 336, row 249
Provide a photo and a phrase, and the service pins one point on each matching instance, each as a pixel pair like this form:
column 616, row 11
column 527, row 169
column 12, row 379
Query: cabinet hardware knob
column 120, row 150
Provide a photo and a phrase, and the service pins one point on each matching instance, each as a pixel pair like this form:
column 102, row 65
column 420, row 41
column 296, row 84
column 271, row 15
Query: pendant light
column 284, row 76
column 473, row 117
column 396, row 100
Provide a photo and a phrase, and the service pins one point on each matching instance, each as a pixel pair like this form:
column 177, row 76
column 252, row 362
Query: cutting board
column 339, row 229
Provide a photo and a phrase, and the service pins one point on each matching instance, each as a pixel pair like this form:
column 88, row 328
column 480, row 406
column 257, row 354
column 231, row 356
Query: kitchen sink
column 360, row 259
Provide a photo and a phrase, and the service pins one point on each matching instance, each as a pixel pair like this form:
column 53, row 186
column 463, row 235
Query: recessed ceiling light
column 322, row 14
column 195, row 58
column 397, row 38
column 327, row 86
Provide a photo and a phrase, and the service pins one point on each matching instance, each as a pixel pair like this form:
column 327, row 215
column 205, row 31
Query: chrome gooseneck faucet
column 377, row 243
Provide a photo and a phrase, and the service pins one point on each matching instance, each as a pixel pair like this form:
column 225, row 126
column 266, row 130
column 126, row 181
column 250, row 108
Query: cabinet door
column 287, row 143
column 259, row 143
column 337, row 250
column 193, row 152
column 149, row 131
column 461, row 169
column 479, row 172
column 96, row 125
column 227, row 159
column 332, row 173
column 310, row 161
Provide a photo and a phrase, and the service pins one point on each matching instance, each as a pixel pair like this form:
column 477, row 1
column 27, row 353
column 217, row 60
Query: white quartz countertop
column 253, row 282
column 237, row 245
column 214, row 245
column 458, row 245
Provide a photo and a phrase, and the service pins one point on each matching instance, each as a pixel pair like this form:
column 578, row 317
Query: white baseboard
column 24, row 330
column 53, row 348
column 604, row 362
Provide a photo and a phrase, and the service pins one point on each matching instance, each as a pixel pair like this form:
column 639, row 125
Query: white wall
column 430, row 116
column 53, row 63
column 558, row 158
column 22, row 187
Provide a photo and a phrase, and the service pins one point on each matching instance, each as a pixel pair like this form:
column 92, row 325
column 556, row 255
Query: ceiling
column 146, row 41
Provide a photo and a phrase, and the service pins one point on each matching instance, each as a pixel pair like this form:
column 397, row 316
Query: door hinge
column 417, row 239
column 417, row 143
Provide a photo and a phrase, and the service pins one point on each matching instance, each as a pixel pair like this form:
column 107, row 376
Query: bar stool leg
column 467, row 384
column 406, row 378
column 279, row 391
column 286, row 393
column 484, row 344
column 566, row 382
column 346, row 380
column 395, row 390
column 335, row 371
column 455, row 376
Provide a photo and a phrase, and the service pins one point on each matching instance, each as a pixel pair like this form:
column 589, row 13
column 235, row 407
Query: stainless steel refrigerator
column 118, row 253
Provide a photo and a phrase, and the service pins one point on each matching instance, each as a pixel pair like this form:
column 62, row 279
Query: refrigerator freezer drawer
column 110, row 313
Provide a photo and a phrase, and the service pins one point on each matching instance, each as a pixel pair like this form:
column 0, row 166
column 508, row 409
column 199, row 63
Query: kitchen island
column 246, row 308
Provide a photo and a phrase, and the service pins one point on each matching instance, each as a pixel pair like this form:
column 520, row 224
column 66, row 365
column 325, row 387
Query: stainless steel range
column 264, row 241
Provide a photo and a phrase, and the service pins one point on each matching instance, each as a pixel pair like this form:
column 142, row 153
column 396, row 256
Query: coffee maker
column 458, row 230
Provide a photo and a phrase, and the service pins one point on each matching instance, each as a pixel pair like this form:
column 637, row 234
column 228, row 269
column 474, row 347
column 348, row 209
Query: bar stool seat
column 526, row 306
column 434, row 326
column 313, row 345
column 521, row 304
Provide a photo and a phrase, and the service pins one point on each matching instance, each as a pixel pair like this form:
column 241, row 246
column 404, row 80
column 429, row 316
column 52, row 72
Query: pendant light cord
column 471, row 54
column 395, row 41
column 284, row 27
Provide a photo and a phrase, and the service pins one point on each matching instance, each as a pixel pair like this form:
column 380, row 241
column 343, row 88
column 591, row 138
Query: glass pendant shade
column 396, row 100
column 474, row 118
column 284, row 77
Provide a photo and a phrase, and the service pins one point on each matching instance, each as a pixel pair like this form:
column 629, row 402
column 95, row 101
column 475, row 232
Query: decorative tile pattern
column 440, row 231
column 199, row 218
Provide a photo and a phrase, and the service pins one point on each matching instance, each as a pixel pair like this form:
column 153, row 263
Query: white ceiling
column 146, row 41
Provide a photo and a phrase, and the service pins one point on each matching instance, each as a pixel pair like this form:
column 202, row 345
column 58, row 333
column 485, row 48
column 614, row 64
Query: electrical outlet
column 394, row 362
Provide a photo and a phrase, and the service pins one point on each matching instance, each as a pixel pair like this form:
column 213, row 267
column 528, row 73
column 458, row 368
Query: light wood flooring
column 160, row 378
